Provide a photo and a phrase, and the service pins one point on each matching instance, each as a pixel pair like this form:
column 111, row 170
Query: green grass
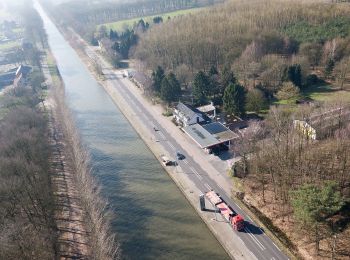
column 321, row 92
column 124, row 24
column 9, row 45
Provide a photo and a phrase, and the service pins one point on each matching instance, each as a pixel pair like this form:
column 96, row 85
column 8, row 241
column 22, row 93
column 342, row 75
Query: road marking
column 207, row 186
column 252, row 255
column 273, row 258
column 185, row 161
column 276, row 246
column 239, row 206
column 249, row 218
column 162, row 135
column 196, row 173
column 260, row 245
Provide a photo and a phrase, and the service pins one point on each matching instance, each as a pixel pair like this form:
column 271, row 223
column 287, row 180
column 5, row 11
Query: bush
column 288, row 91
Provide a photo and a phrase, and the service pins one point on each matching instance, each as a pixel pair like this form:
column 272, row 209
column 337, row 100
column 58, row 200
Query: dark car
column 180, row 156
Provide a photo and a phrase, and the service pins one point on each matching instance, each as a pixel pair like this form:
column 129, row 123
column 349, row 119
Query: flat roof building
column 210, row 135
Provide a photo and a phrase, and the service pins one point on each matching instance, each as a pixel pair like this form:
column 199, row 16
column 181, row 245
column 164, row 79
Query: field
column 321, row 93
column 8, row 45
column 124, row 24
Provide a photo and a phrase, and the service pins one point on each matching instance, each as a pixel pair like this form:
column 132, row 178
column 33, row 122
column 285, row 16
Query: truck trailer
column 232, row 217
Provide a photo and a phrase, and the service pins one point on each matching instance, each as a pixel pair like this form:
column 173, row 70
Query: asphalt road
column 255, row 239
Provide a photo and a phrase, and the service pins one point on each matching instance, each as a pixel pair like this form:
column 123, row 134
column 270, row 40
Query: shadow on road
column 250, row 228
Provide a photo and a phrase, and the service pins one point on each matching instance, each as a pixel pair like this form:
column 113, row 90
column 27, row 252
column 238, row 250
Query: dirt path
column 72, row 236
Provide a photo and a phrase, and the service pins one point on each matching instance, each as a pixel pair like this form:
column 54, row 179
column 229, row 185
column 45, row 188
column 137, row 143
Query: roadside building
column 210, row 136
column 186, row 115
column 323, row 124
column 21, row 78
column 209, row 110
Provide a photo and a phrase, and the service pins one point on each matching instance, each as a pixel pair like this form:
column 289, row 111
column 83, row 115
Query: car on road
column 166, row 161
column 180, row 156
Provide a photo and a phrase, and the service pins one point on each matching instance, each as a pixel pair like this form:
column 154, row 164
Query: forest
column 266, row 44
column 85, row 16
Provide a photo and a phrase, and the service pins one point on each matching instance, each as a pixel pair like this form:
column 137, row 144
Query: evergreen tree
column 170, row 88
column 328, row 69
column 312, row 205
column 201, row 87
column 234, row 99
column 294, row 75
column 175, row 85
column 227, row 77
column 213, row 71
column 157, row 77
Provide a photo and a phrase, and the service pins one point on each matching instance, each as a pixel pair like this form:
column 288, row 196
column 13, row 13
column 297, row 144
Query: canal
column 152, row 218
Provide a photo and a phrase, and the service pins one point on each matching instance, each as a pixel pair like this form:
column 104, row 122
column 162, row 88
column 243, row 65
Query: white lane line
column 260, row 245
column 162, row 135
column 276, row 246
column 185, row 161
column 249, row 218
column 239, row 206
column 207, row 186
column 197, row 174
column 273, row 258
column 253, row 255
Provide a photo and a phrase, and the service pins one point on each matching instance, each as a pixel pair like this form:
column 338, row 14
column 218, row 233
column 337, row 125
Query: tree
column 294, row 75
column 288, row 91
column 256, row 100
column 312, row 205
column 328, row 68
column 227, row 77
column 157, row 19
column 170, row 88
column 313, row 51
column 342, row 72
column 201, row 87
column 157, row 77
column 234, row 99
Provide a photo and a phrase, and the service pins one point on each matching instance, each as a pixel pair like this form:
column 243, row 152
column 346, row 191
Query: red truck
column 235, row 220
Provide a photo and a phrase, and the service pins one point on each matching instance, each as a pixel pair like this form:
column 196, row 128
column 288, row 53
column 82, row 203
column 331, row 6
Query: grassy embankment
column 120, row 26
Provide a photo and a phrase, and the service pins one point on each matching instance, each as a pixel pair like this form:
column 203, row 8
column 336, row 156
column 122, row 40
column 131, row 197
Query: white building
column 186, row 115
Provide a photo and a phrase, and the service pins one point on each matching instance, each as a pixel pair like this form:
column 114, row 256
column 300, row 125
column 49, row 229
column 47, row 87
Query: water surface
column 152, row 218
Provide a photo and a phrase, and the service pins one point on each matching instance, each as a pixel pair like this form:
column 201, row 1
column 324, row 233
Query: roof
column 207, row 108
column 220, row 131
column 24, row 70
column 187, row 111
column 209, row 135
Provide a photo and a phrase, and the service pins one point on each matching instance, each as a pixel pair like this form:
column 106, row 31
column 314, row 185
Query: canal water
column 152, row 219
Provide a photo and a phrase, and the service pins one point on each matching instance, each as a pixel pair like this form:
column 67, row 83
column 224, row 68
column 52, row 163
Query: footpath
column 69, row 216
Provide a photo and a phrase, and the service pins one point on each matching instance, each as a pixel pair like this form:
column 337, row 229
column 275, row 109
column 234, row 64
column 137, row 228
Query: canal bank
column 152, row 219
column 233, row 245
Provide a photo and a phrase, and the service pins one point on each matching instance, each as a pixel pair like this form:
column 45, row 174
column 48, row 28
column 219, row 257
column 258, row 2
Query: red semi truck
column 235, row 220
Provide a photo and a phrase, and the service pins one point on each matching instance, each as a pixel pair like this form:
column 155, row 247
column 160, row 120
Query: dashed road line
column 276, row 246
column 207, row 186
column 260, row 245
